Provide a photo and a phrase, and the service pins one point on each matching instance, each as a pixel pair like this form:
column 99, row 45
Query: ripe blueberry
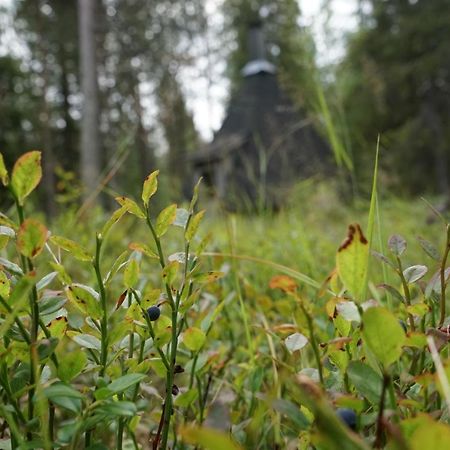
column 153, row 313
column 348, row 416
column 403, row 325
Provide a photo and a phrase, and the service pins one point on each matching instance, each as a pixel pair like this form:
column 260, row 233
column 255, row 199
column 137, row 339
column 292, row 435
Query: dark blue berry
column 153, row 313
column 348, row 416
column 403, row 325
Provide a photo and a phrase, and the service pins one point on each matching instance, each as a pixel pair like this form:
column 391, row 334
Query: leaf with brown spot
column 31, row 238
column 208, row 277
column 142, row 248
column 131, row 206
column 85, row 299
column 352, row 261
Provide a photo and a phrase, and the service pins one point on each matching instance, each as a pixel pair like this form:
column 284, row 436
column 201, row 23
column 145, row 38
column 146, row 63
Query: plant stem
column 442, row 276
column 104, row 322
column 407, row 293
column 379, row 432
column 34, row 313
column 312, row 337
column 169, row 382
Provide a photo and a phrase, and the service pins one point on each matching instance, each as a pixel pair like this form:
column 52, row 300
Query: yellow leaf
column 351, row 261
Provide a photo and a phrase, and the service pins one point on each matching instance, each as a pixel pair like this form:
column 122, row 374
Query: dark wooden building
column 265, row 143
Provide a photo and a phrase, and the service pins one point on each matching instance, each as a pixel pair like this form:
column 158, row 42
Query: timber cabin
column 264, row 145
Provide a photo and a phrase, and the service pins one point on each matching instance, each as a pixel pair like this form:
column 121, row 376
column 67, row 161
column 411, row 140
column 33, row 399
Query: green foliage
column 383, row 334
column 245, row 353
column 390, row 83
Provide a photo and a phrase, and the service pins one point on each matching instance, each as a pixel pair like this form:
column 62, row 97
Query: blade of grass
column 371, row 219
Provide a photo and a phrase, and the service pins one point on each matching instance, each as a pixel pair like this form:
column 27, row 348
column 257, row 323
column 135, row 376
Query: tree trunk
column 146, row 159
column 90, row 138
column 48, row 157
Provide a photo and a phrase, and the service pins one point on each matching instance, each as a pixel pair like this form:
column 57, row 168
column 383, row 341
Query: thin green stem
column 24, row 333
column 104, row 322
column 406, row 292
column 442, row 277
column 314, row 344
column 379, row 433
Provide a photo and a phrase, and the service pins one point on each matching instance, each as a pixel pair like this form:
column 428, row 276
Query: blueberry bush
column 138, row 336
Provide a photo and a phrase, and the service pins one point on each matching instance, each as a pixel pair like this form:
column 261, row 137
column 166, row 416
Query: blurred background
column 110, row 90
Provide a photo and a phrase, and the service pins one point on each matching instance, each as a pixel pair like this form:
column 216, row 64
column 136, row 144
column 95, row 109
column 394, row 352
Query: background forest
column 137, row 61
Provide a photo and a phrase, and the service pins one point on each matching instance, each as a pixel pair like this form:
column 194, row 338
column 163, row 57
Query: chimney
column 257, row 59
column 256, row 44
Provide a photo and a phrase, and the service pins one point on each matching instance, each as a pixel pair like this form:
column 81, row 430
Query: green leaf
column 429, row 248
column 295, row 342
column 5, row 220
column 195, row 196
column 142, row 248
column 71, row 364
column 124, row 382
column 165, row 219
column 63, row 276
column 194, row 338
column 186, row 398
column 150, row 187
column 3, row 172
column 131, row 206
column 397, row 245
column 292, row 412
column 46, row 280
column 5, row 234
column 352, row 260
column 26, row 175
column 58, row 327
column 414, row 273
column 394, row 292
column 85, row 340
column 430, row 435
column 76, row 250
column 31, row 238
column 383, row 334
column 85, row 299
column 170, row 272
column 434, row 285
column 17, row 299
column 119, row 262
column 418, row 309
column 193, row 225
column 5, row 285
column 367, row 382
column 383, row 258
column 115, row 408
column 46, row 348
column 7, row 231
column 208, row 277
column 207, row 438
column 65, row 396
column 11, row 267
column 116, row 216
column 131, row 274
